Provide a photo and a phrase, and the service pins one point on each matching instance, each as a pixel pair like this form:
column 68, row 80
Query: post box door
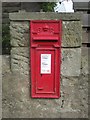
column 45, row 82
column 46, row 74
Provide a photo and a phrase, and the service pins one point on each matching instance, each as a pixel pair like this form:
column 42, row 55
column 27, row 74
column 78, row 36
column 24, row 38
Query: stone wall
column 73, row 102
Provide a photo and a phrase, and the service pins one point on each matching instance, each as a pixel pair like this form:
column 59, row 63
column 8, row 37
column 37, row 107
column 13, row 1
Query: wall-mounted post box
column 45, row 42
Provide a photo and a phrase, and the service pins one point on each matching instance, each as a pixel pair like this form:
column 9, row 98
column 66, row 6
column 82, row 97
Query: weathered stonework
column 20, row 60
column 70, row 65
column 73, row 102
column 27, row 16
column 71, row 61
column 72, row 34
column 19, row 33
column 19, row 104
column 85, row 61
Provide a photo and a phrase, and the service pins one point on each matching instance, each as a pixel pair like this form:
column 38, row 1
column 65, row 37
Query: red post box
column 45, row 42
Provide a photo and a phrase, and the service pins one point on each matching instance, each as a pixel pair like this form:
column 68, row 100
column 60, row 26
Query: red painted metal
column 45, row 52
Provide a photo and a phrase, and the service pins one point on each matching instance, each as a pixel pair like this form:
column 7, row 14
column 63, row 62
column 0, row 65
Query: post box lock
column 45, row 39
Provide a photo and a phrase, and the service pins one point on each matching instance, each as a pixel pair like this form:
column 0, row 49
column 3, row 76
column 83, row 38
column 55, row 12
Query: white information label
column 45, row 63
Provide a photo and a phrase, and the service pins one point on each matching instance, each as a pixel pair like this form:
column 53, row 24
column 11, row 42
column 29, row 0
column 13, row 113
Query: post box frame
column 37, row 45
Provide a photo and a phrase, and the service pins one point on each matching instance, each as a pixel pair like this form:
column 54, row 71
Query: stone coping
column 45, row 16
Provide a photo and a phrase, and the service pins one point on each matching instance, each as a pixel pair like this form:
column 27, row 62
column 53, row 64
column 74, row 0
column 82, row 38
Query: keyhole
column 41, row 75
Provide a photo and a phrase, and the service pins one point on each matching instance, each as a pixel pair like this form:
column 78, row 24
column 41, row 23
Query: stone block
column 71, row 34
column 85, row 35
column 75, row 96
column 20, row 60
column 19, row 33
column 71, row 62
column 45, row 16
column 69, row 89
column 85, row 61
column 70, row 114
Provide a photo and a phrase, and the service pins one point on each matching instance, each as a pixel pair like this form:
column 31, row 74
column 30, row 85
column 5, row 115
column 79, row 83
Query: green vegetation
column 6, row 38
column 47, row 6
